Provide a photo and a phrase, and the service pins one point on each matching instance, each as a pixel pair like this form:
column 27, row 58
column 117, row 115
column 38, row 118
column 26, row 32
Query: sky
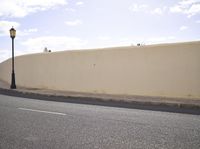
column 85, row 24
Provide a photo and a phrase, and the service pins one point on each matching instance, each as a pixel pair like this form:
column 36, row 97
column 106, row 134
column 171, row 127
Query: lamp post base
column 13, row 85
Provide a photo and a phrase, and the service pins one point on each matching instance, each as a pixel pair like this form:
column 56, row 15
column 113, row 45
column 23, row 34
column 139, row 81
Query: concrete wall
column 171, row 70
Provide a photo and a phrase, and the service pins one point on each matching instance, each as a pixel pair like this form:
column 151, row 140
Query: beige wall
column 171, row 70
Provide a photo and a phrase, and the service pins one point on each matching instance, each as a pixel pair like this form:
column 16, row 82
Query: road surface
column 36, row 124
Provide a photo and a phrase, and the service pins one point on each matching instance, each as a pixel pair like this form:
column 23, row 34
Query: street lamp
column 12, row 35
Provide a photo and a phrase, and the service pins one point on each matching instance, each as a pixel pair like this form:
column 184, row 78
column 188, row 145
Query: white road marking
column 49, row 112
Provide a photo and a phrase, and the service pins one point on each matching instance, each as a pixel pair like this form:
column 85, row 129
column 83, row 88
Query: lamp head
column 12, row 33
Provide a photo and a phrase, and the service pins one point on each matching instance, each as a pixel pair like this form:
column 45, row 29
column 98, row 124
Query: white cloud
column 73, row 23
column 147, row 9
column 182, row 28
column 187, row 7
column 4, row 54
column 55, row 43
column 21, row 8
column 194, row 10
column 138, row 8
column 5, row 26
column 27, row 31
column 31, row 30
column 79, row 3
column 159, row 11
column 155, row 40
column 70, row 9
column 104, row 38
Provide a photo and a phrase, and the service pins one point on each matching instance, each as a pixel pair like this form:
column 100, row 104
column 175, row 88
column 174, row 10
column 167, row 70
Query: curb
column 143, row 105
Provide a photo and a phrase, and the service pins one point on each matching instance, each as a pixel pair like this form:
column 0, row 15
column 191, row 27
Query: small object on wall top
column 46, row 50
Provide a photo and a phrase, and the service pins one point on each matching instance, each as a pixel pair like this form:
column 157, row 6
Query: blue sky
column 72, row 24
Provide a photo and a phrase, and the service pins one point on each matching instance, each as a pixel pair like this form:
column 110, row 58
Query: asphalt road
column 36, row 124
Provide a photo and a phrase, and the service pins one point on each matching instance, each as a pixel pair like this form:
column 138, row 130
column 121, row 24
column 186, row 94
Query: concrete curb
column 187, row 108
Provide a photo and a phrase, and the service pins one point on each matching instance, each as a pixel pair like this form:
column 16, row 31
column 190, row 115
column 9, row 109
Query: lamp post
column 12, row 35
